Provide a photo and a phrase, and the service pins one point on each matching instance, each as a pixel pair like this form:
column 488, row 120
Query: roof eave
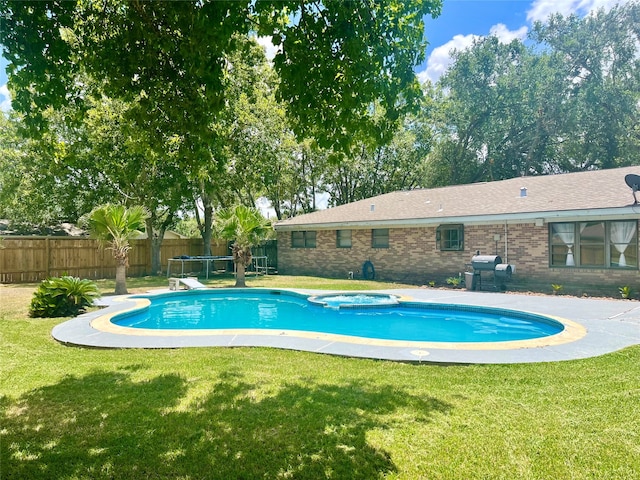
column 626, row 212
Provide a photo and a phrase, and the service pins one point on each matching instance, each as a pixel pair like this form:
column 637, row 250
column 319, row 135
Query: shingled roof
column 598, row 192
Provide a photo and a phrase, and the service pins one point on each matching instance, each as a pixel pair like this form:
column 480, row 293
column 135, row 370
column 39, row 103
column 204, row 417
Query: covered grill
column 485, row 263
column 488, row 263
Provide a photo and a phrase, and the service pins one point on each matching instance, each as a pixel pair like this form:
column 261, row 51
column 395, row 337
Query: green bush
column 63, row 297
column 454, row 281
column 625, row 292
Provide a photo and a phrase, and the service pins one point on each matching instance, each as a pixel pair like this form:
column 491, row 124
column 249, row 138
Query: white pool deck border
column 592, row 327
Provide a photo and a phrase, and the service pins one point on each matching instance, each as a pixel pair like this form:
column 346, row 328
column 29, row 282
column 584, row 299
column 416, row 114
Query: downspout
column 506, row 244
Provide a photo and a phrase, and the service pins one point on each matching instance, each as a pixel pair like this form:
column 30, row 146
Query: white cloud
column 541, row 9
column 5, row 98
column 507, row 36
column 440, row 58
column 270, row 49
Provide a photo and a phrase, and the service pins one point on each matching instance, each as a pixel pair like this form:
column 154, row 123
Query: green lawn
column 256, row 413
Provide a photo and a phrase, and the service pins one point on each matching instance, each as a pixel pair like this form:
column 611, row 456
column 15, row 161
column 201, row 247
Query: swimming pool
column 284, row 311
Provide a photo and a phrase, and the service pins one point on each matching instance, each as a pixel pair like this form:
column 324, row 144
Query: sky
column 459, row 24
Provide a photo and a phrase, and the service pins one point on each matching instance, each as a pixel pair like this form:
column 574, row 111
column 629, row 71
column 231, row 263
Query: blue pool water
column 278, row 310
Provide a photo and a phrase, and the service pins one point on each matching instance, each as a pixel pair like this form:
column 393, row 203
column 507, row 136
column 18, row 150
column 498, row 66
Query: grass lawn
column 257, row 413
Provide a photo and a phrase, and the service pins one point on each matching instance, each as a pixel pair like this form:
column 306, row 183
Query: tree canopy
column 568, row 99
column 169, row 59
column 568, row 102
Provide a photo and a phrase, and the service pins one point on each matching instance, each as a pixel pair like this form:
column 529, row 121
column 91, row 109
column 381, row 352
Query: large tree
column 246, row 136
column 371, row 170
column 74, row 166
column 302, row 169
column 14, row 182
column 569, row 103
column 335, row 59
column 115, row 154
column 601, row 54
column 40, row 184
column 487, row 121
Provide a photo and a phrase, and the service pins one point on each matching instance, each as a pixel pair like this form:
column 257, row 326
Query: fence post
column 47, row 255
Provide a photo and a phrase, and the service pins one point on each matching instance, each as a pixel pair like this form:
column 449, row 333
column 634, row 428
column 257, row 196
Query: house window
column 305, row 239
column 380, row 238
column 450, row 237
column 623, row 244
column 594, row 244
column 562, row 244
column 343, row 238
column 591, row 244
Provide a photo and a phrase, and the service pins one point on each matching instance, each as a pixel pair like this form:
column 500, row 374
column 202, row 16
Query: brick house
column 575, row 228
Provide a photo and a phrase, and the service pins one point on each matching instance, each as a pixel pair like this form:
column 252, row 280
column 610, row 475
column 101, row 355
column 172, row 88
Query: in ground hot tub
column 342, row 300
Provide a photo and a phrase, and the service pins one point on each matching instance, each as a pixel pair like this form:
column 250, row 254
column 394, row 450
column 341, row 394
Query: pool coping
column 594, row 327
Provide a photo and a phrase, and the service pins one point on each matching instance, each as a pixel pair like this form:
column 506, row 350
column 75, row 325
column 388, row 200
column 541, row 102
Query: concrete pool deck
column 598, row 326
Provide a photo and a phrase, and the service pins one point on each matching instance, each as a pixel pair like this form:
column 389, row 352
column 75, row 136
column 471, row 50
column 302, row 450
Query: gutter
column 631, row 212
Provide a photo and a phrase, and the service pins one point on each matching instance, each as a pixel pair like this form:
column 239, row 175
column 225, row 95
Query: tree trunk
column 240, row 279
column 155, row 243
column 156, row 259
column 276, row 207
column 207, row 230
column 121, row 278
column 242, row 259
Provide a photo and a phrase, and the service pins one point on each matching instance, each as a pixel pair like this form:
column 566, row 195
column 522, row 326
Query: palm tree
column 113, row 226
column 246, row 227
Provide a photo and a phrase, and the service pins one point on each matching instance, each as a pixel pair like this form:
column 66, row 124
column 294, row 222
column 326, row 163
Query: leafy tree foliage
column 188, row 227
column 128, row 166
column 169, row 58
column 13, row 181
column 373, row 170
column 247, row 133
column 602, row 57
column 339, row 58
column 306, row 167
column 226, row 135
column 37, row 186
column 72, row 167
column 253, row 127
column 569, row 103
column 491, row 114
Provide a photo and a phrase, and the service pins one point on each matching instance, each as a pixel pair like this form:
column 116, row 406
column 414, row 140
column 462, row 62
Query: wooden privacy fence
column 32, row 259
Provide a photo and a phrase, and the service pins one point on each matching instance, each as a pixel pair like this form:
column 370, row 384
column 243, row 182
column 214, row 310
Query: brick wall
column 413, row 256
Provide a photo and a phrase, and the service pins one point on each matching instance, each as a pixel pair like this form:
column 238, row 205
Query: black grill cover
column 485, row 262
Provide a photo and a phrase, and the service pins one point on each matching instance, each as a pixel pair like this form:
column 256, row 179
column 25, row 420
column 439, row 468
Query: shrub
column 454, row 281
column 556, row 288
column 63, row 297
column 625, row 292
